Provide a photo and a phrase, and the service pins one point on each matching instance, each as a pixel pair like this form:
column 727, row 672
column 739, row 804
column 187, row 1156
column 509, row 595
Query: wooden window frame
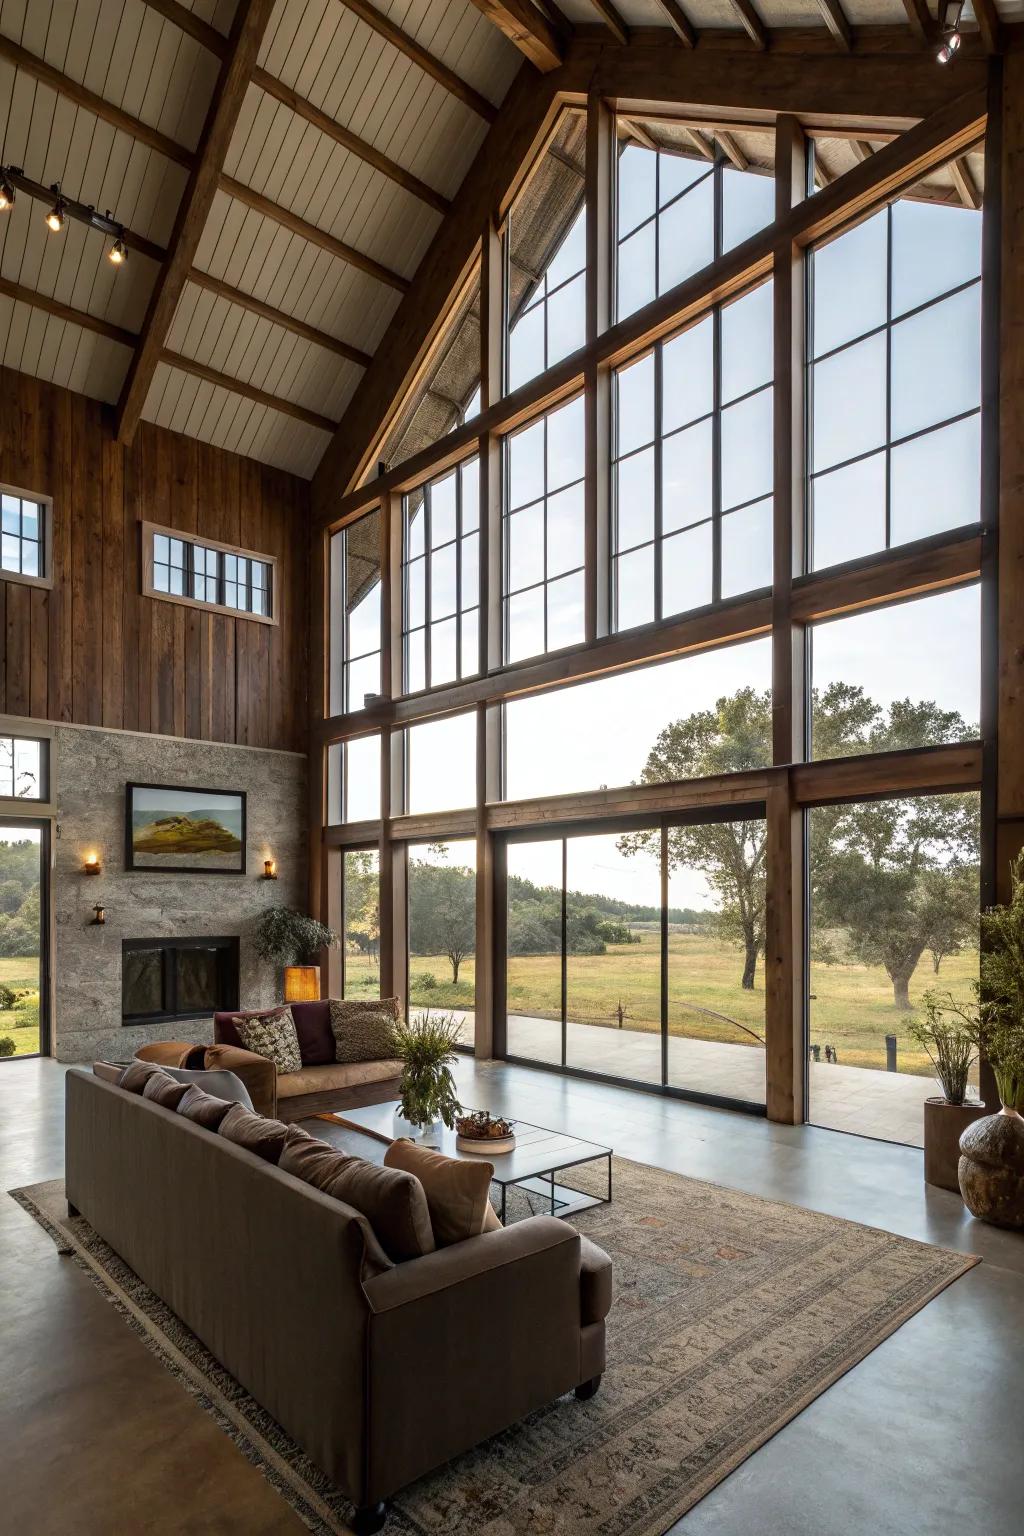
column 149, row 531
column 45, row 505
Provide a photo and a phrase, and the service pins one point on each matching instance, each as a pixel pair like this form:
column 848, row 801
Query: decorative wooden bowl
column 485, row 1146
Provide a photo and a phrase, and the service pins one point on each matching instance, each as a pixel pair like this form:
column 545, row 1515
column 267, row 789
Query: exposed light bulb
column 55, row 217
column 6, row 192
column 118, row 252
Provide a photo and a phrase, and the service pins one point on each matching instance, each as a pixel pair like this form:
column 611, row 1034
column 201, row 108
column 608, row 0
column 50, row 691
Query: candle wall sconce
column 100, row 916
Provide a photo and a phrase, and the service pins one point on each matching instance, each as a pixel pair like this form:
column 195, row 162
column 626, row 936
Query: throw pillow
column 362, row 1028
column 136, row 1073
column 273, row 1035
column 164, row 1089
column 253, row 1132
column 393, row 1202
column 456, row 1191
column 198, row 1105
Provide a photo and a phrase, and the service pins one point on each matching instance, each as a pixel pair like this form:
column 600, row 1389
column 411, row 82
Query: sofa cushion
column 109, row 1071
column 163, row 1089
column 393, row 1202
column 167, row 1053
column 339, row 1075
column 202, row 1107
column 254, row 1132
column 595, row 1282
column 271, row 1035
column 457, row 1191
column 313, row 1027
column 363, row 1027
column 137, row 1073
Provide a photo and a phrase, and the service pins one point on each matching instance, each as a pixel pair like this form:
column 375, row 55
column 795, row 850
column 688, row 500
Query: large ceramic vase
column 991, row 1169
column 944, row 1124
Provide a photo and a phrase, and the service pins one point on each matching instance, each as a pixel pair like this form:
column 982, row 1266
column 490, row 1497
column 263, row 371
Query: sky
column 926, row 481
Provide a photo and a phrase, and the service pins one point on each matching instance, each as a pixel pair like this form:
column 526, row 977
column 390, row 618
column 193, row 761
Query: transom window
column 23, row 767
column 693, row 466
column 895, row 383
column 23, row 549
column 355, row 663
column 551, row 320
column 211, row 574
column 676, row 214
column 543, row 592
column 441, row 579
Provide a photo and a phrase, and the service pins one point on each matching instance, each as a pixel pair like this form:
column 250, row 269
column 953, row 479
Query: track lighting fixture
column 950, row 13
column 118, row 252
column 55, row 217
column 6, row 189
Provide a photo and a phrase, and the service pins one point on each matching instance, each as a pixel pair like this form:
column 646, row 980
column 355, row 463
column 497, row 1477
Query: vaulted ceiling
column 280, row 170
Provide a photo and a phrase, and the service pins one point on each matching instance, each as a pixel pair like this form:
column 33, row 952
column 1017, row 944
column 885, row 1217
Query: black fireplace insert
column 164, row 979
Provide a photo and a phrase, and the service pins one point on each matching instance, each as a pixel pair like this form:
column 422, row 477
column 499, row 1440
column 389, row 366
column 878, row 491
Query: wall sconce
column 100, row 917
column 269, row 869
column 91, row 864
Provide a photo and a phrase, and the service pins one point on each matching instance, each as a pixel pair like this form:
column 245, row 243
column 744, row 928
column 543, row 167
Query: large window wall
column 728, row 554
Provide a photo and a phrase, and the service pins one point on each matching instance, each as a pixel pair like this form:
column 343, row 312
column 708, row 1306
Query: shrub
column 426, row 981
column 8, row 997
column 7, row 1046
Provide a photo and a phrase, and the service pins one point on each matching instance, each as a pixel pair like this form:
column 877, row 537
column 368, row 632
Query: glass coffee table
column 532, row 1165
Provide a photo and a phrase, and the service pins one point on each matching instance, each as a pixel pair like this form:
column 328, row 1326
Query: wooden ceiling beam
column 751, row 23
column 834, row 17
column 679, row 22
column 349, row 141
column 311, row 232
column 732, row 151
column 989, row 25
column 172, row 10
column 54, row 307
column 86, row 215
column 247, row 29
column 250, row 392
column 612, row 20
column 453, row 83
column 920, row 20
column 279, row 317
column 97, row 105
column 963, row 180
column 527, row 28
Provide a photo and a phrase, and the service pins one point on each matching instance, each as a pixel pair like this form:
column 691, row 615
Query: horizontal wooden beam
column 279, row 317
column 84, row 214
column 924, row 770
column 42, row 301
column 452, row 82
column 46, row 74
column 239, row 387
column 527, row 28
column 927, row 565
column 350, row 141
column 311, row 232
column 213, row 41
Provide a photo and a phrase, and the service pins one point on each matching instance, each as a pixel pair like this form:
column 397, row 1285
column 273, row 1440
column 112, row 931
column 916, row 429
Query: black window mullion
column 716, row 401
column 458, row 571
column 427, row 586
column 888, row 375
column 565, row 972
column 664, row 955
column 659, row 520
column 545, row 534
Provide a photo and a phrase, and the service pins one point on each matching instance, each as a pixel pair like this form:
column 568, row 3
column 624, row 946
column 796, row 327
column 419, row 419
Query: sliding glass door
column 24, row 1021
column 637, row 953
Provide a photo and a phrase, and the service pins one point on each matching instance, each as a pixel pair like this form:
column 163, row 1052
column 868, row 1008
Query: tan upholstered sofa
column 380, row 1371
column 323, row 1083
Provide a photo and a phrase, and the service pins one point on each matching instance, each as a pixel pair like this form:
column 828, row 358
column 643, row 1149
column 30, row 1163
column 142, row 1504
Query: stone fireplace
column 175, row 978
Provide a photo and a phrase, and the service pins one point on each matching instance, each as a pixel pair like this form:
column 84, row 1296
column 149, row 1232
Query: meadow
column 21, row 1023
column 851, row 1007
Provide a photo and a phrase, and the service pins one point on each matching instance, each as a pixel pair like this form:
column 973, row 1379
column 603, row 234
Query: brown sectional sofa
column 322, row 1084
column 380, row 1371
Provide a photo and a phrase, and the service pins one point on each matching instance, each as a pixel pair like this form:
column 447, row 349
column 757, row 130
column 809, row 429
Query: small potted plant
column 425, row 1045
column 480, row 1131
column 293, row 940
column 948, row 1036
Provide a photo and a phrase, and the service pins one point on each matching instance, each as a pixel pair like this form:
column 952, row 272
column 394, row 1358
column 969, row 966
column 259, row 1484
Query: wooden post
column 784, row 948
column 600, row 176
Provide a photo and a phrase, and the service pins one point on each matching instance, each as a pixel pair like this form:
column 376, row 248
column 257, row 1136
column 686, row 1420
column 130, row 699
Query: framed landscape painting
column 185, row 831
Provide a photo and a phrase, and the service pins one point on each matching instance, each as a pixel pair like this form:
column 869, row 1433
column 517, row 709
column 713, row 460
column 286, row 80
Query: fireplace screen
column 177, row 978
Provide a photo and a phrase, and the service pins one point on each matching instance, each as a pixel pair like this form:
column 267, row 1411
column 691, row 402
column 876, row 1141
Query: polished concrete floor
column 923, row 1438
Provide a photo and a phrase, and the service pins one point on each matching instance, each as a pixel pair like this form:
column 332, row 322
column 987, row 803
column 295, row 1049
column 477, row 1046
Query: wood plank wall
column 93, row 650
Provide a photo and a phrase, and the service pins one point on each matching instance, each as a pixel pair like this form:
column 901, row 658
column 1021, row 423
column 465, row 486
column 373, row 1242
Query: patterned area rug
column 730, row 1315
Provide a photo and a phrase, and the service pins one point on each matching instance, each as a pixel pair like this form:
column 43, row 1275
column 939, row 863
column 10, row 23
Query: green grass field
column 851, row 1005
column 21, row 1023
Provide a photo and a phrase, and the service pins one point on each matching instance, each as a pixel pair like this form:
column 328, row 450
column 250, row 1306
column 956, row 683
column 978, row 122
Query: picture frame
column 179, row 829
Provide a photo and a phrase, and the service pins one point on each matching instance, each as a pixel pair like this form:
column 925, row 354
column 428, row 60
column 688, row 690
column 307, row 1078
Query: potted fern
column 948, row 1035
column 425, row 1045
column 293, row 940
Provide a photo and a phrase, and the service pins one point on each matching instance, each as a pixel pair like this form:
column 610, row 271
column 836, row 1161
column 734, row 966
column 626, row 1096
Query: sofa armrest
column 257, row 1073
column 595, row 1282
column 466, row 1341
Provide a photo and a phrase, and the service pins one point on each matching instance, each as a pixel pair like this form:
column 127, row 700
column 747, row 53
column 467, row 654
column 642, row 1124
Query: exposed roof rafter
column 679, row 22
column 920, row 20
column 249, row 391
column 989, row 25
column 526, row 27
column 612, row 20
column 213, row 41
column 42, row 301
column 453, row 83
column 751, row 23
column 279, row 317
column 964, row 183
column 834, row 17
column 248, row 27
